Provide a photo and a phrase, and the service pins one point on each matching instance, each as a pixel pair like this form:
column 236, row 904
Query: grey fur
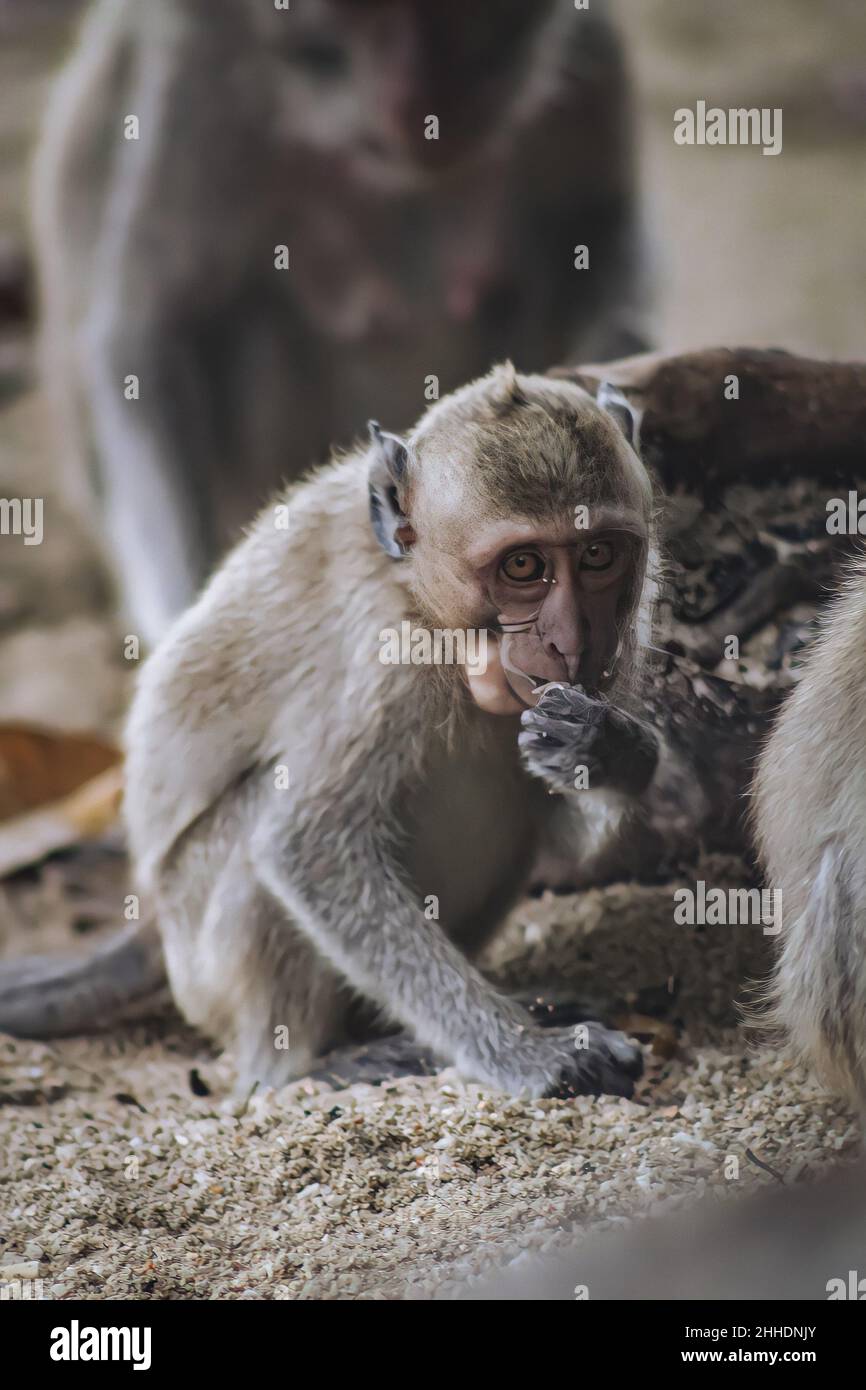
column 276, row 905
column 810, row 818
column 280, row 904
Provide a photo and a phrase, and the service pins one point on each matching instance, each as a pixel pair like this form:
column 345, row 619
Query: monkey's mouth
column 542, row 685
column 538, row 686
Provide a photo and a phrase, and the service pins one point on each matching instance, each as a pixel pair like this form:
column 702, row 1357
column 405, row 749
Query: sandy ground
column 117, row 1176
column 122, row 1182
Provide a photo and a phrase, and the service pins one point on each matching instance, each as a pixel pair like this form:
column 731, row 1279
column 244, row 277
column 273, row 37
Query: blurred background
column 743, row 249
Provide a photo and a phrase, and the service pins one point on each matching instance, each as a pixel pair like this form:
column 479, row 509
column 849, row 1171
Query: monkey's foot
column 382, row 1059
column 575, row 743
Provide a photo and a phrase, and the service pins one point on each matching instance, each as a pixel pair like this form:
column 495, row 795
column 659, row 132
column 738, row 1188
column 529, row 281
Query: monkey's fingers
column 540, row 741
column 601, row 1062
column 555, row 758
column 571, row 703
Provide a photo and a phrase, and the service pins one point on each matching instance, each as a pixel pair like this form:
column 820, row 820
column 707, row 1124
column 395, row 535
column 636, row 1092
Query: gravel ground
column 123, row 1181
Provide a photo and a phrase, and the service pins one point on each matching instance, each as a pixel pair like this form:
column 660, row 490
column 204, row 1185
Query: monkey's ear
column 388, row 459
column 619, row 407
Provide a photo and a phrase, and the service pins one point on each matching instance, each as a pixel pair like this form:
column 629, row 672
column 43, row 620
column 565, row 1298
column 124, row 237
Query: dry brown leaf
column 89, row 811
column 38, row 767
column 663, row 1035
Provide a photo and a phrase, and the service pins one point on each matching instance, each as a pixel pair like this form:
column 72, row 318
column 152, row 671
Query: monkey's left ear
column 627, row 416
column 388, row 459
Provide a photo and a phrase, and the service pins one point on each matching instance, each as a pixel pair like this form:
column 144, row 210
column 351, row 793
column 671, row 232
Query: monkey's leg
column 398, row 1054
column 375, row 935
column 293, row 1016
column 240, row 969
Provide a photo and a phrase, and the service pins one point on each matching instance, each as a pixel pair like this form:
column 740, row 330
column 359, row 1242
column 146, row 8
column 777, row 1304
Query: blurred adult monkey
column 429, row 170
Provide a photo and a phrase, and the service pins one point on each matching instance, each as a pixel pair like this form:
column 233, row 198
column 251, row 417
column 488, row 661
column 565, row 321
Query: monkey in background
column 293, row 801
column 411, row 259
column 810, row 819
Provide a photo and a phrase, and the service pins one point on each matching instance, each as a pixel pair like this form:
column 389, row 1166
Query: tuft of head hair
column 506, row 392
column 537, row 445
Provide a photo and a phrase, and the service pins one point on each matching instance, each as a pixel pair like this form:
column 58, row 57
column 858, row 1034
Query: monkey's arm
column 376, row 935
column 710, row 732
column 152, row 489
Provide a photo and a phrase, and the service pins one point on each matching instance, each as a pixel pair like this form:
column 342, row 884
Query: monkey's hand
column 575, row 743
column 592, row 1060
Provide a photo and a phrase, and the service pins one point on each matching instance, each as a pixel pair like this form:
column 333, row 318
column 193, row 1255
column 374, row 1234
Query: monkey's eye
column 597, row 556
column 324, row 58
column 523, row 567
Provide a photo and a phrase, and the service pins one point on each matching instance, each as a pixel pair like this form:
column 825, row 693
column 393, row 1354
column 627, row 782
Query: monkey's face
column 523, row 512
column 555, row 600
column 402, row 88
column 560, row 599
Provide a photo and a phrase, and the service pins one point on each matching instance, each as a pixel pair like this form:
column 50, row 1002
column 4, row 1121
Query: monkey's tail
column 818, row 993
column 53, row 996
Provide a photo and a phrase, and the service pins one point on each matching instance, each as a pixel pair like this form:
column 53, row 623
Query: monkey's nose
column 570, row 664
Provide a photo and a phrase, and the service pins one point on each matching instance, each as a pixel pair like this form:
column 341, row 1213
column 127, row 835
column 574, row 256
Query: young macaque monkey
column 293, row 801
column 810, row 817
column 243, row 213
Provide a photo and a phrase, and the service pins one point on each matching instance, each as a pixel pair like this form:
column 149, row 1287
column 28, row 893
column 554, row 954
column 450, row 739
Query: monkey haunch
column 810, row 813
column 279, row 903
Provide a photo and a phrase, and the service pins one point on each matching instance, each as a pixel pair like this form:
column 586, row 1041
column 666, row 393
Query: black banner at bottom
column 82, row 1340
